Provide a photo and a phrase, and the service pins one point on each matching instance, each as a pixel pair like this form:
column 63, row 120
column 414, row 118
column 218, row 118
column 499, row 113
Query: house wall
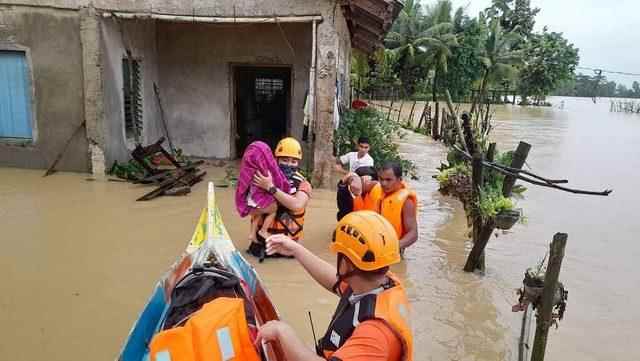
column 104, row 112
column 140, row 38
column 195, row 63
column 54, row 53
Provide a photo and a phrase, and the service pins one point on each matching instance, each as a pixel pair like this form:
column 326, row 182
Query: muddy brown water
column 79, row 258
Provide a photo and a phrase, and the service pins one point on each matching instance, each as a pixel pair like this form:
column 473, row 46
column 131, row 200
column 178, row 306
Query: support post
column 312, row 79
column 410, row 120
column 435, row 133
column 479, row 232
column 543, row 321
column 390, row 109
column 422, row 115
column 400, row 111
column 491, row 152
column 519, row 157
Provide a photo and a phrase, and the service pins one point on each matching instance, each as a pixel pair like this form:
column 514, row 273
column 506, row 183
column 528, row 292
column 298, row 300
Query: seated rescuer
column 291, row 206
column 393, row 199
column 371, row 322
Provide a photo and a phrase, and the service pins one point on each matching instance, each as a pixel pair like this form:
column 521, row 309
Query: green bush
column 492, row 202
column 371, row 123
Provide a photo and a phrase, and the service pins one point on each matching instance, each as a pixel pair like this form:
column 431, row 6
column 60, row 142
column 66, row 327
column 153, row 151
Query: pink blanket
column 258, row 156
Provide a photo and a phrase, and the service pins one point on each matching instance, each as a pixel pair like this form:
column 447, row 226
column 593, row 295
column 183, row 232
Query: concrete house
column 213, row 75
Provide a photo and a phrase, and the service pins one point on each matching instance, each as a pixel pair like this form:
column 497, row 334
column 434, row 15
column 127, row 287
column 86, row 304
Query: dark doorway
column 262, row 97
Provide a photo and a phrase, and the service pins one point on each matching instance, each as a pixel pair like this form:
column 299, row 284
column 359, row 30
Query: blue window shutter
column 15, row 96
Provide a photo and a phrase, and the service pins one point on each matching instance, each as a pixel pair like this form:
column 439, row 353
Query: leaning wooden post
column 390, row 109
column 410, row 120
column 400, row 111
column 544, row 318
column 443, row 123
column 435, row 134
column 424, row 109
column 491, row 152
column 480, row 229
column 519, row 157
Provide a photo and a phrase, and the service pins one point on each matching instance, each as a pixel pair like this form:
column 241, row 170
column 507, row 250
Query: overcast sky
column 606, row 32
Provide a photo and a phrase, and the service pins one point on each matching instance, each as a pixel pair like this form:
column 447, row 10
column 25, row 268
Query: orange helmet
column 289, row 147
column 367, row 239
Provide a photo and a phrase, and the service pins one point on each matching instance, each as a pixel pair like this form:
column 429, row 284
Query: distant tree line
column 589, row 86
column 432, row 48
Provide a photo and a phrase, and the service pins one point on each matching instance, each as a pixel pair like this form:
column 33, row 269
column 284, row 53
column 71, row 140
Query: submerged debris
column 152, row 164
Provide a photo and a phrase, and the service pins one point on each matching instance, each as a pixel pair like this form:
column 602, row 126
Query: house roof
column 369, row 21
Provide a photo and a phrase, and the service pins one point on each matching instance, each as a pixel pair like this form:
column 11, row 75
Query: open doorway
column 262, row 98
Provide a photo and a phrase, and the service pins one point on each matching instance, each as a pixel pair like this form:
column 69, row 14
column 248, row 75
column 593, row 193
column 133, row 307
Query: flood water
column 468, row 317
column 79, row 258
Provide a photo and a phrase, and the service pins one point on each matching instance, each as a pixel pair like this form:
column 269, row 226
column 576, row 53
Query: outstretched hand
column 279, row 243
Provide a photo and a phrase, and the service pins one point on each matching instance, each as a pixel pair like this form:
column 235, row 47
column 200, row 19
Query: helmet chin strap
column 342, row 277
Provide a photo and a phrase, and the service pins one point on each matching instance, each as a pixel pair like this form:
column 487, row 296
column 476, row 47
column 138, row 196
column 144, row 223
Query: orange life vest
column 287, row 221
column 388, row 304
column 217, row 332
column 387, row 205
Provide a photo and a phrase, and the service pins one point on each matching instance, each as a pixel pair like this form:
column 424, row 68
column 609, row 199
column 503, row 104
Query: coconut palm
column 497, row 56
column 402, row 40
column 438, row 41
column 422, row 42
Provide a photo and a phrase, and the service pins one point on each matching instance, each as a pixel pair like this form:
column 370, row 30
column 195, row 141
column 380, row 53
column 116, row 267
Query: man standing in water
column 371, row 320
column 392, row 198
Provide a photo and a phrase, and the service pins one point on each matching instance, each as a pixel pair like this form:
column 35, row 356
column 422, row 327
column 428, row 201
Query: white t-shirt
column 354, row 162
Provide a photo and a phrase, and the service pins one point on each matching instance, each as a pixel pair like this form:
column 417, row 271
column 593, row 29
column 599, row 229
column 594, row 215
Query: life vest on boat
column 388, row 304
column 287, row 221
column 387, row 205
column 217, row 332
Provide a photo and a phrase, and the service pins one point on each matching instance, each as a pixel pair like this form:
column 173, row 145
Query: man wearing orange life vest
column 371, row 322
column 392, row 198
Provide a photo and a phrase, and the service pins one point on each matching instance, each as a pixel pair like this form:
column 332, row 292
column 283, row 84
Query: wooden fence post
column 519, row 157
column 491, row 152
column 543, row 321
column 422, row 115
column 390, row 109
column 481, row 231
column 400, row 111
column 435, row 130
column 410, row 120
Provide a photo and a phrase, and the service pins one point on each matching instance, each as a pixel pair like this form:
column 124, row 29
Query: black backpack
column 200, row 286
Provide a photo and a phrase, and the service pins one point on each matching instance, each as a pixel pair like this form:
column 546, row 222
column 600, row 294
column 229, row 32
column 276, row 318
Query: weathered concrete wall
column 140, row 37
column 180, row 68
column 196, row 76
column 334, row 52
column 195, row 7
column 52, row 40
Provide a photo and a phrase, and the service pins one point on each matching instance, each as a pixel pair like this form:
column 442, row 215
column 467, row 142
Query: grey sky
column 606, row 32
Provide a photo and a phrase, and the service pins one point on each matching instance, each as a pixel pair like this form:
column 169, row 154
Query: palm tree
column 422, row 41
column 497, row 56
column 402, row 40
column 359, row 72
column 438, row 41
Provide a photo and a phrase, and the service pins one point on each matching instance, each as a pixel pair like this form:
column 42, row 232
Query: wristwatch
column 272, row 190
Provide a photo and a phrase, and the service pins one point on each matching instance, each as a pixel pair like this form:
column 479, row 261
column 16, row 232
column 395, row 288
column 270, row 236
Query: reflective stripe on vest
column 290, row 222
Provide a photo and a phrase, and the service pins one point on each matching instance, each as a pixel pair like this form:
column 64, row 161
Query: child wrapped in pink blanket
column 252, row 200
